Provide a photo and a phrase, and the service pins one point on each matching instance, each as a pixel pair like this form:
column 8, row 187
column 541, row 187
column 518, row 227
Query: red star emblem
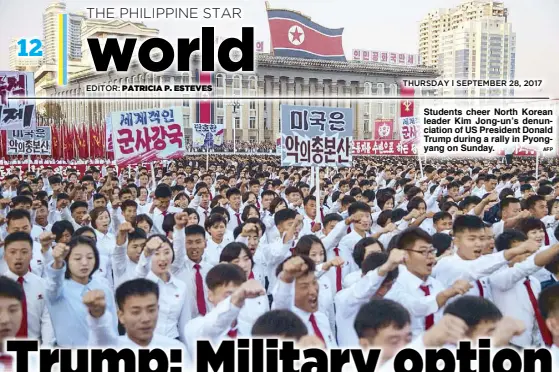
column 296, row 35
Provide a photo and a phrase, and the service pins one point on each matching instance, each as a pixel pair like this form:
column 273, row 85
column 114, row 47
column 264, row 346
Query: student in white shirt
column 549, row 308
column 11, row 316
column 144, row 222
column 19, row 220
column 215, row 226
column 378, row 273
column 36, row 322
column 239, row 254
column 298, row 291
column 130, row 244
column 228, row 290
column 419, row 292
column 468, row 263
column 138, row 312
column 161, row 207
column 384, row 325
column 515, row 289
column 155, row 265
column 279, row 324
column 234, row 208
column 359, row 231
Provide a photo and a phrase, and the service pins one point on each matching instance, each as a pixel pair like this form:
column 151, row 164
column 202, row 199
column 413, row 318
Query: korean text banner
column 148, row 135
column 20, row 113
column 382, row 147
column 207, row 135
column 316, row 136
column 36, row 141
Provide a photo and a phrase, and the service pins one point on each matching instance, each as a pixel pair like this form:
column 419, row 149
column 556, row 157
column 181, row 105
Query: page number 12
column 35, row 50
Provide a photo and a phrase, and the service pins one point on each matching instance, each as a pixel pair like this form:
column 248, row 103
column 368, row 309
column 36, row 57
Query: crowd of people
column 240, row 146
column 394, row 256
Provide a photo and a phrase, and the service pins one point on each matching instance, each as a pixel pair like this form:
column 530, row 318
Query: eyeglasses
column 425, row 253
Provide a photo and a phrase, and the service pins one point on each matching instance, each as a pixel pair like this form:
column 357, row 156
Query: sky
column 391, row 25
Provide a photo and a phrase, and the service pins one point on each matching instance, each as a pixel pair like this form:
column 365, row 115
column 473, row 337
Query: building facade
column 253, row 120
column 439, row 21
column 479, row 49
column 50, row 33
column 17, row 63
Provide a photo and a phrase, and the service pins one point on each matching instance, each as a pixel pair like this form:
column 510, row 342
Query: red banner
column 384, row 147
column 384, row 129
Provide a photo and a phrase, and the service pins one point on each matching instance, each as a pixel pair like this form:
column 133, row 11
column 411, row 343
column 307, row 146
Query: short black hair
column 76, row 240
column 18, row 214
column 473, row 310
column 311, row 267
column 163, row 191
column 279, row 323
column 137, row 234
column 11, row 289
column 507, row 237
column 135, row 287
column 548, row 301
column 441, row 242
column 194, row 230
column 376, row 260
column 380, row 313
column 359, row 250
column 467, row 222
column 232, row 251
column 358, row 207
column 59, row 227
column 284, row 215
column 407, row 238
column 223, row 274
column 441, row 216
column 19, row 236
column 78, row 204
column 214, row 219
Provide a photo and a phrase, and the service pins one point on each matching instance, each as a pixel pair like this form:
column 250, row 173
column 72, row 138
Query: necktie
column 315, row 328
column 23, row 328
column 480, row 288
column 164, row 213
column 258, row 205
column 206, row 214
column 338, row 272
column 233, row 331
column 7, row 361
column 238, row 215
column 312, row 224
column 348, row 229
column 546, row 237
column 292, row 249
column 322, row 214
column 429, row 319
column 546, row 335
column 251, row 275
column 200, row 298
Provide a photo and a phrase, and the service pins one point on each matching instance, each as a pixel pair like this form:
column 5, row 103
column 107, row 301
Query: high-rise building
column 471, row 41
column 50, row 32
column 18, row 63
column 443, row 20
column 481, row 49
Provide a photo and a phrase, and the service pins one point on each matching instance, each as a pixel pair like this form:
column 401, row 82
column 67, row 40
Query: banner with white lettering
column 207, row 135
column 148, row 135
column 17, row 113
column 316, row 136
column 30, row 141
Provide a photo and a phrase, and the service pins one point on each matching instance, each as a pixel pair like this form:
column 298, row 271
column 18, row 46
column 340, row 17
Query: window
column 219, row 104
column 220, row 119
column 237, row 82
column 252, row 139
column 252, row 123
column 220, row 80
column 366, row 125
column 252, row 105
column 237, row 123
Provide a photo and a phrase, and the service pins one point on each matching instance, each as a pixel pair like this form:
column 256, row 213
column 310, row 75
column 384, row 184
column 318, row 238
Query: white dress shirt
column 174, row 310
column 102, row 334
column 124, row 268
column 213, row 250
column 452, row 268
column 348, row 303
column 511, row 297
column 406, row 290
column 284, row 298
column 39, row 324
column 213, row 327
column 347, row 244
column 233, row 222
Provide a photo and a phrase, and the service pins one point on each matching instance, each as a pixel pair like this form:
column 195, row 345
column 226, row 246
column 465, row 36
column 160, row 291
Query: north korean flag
column 294, row 35
column 205, row 109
